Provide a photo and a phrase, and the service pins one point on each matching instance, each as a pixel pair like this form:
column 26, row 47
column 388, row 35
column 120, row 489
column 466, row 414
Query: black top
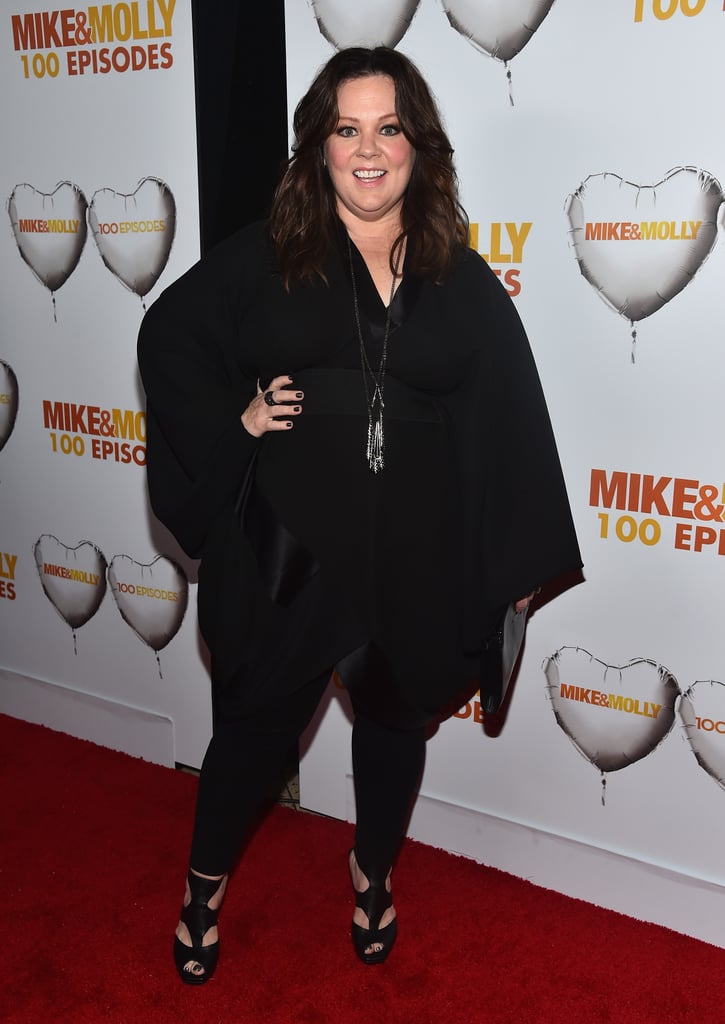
column 308, row 559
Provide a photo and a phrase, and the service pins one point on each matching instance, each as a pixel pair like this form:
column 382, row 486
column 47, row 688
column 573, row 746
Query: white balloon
column 613, row 714
column 702, row 710
column 373, row 23
column 501, row 28
column 640, row 245
column 151, row 598
column 50, row 230
column 8, row 402
column 134, row 233
column 74, row 579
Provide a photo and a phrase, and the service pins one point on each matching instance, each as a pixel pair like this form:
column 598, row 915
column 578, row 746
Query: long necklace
column 374, row 380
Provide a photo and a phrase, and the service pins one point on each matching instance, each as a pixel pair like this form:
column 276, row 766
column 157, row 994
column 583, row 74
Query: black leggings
column 245, row 760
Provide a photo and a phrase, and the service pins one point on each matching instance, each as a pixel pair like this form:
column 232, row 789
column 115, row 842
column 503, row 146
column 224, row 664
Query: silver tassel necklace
column 373, row 380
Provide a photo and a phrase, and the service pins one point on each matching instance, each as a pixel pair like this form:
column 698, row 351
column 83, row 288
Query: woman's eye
column 390, row 129
column 346, row 131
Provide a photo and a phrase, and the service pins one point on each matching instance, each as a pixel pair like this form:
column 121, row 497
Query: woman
column 346, row 425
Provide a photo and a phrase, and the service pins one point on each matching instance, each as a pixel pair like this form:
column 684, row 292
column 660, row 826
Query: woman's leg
column 387, row 765
column 245, row 759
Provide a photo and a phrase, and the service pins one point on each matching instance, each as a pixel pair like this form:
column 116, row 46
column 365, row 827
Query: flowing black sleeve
column 198, row 379
column 518, row 527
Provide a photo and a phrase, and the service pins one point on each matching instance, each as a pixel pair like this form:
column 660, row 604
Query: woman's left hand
column 523, row 603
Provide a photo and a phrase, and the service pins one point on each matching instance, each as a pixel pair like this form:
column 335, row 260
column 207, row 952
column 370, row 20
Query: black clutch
column 498, row 658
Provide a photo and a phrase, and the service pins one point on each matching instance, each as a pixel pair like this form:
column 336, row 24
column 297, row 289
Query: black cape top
column 308, row 559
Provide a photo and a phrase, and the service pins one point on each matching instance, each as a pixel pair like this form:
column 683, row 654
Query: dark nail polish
column 299, row 394
column 298, row 408
column 289, row 424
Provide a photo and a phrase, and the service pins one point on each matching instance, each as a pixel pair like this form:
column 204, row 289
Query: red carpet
column 93, row 861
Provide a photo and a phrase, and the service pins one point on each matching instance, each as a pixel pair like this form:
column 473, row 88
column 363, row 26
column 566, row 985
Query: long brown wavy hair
column 304, row 211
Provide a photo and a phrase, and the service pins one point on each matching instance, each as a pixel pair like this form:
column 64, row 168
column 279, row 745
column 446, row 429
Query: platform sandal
column 373, row 902
column 196, row 963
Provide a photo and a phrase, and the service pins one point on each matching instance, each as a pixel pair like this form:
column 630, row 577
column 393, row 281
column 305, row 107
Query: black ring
column 269, row 398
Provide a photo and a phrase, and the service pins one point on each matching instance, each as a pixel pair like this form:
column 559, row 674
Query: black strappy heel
column 374, row 902
column 198, row 918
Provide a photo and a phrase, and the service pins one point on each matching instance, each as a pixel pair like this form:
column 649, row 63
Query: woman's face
column 368, row 157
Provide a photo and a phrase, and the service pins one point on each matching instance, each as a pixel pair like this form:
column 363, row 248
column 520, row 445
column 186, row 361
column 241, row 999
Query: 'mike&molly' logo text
column 700, row 507
column 644, row 231
column 80, row 33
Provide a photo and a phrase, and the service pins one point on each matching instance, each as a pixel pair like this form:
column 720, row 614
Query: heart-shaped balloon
column 639, row 245
column 50, row 230
column 374, row 23
column 501, row 28
column 8, row 402
column 702, row 709
column 134, row 233
column 614, row 715
column 74, row 579
column 152, row 598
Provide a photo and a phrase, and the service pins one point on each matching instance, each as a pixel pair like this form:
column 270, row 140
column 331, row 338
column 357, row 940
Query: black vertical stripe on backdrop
column 241, row 110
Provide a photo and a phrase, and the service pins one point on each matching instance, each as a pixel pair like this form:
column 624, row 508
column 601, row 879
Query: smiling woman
column 368, row 157
column 432, row 224
column 368, row 428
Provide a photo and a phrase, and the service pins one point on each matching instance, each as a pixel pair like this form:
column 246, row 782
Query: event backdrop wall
column 590, row 165
column 99, row 177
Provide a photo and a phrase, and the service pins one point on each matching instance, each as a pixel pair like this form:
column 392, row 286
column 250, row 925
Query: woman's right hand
column 259, row 416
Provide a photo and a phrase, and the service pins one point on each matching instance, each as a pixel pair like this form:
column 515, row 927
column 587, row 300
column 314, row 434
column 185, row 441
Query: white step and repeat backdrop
column 591, row 160
column 99, row 179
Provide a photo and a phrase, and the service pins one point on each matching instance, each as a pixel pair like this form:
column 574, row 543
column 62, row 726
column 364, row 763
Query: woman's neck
column 374, row 235
column 374, row 240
